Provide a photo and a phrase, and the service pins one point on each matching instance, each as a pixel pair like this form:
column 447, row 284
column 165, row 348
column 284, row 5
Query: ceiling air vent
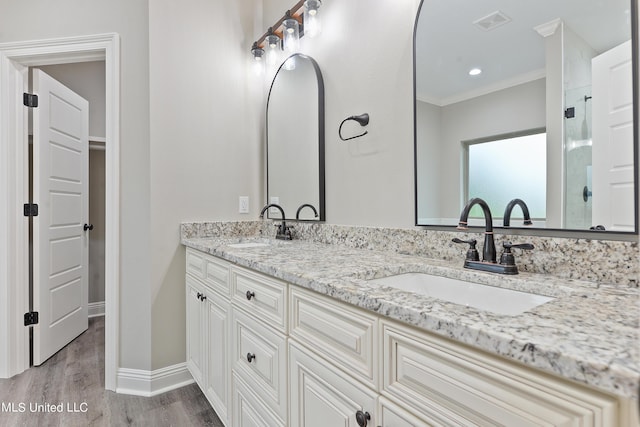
column 492, row 21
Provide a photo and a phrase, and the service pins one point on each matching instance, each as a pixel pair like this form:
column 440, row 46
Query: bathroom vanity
column 298, row 334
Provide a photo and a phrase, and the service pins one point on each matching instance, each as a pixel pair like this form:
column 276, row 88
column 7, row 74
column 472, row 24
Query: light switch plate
column 243, row 204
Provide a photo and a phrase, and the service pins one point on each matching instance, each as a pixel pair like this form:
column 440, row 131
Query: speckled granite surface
column 589, row 333
column 600, row 261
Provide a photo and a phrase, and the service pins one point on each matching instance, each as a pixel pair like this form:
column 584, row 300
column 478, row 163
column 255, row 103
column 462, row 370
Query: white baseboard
column 96, row 309
column 151, row 383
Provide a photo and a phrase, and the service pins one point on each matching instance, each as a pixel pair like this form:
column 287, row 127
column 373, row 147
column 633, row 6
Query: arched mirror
column 527, row 100
column 295, row 140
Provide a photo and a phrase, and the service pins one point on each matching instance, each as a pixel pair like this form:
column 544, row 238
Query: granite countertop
column 588, row 333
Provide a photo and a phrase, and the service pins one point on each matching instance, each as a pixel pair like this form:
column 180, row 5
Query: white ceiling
column 448, row 44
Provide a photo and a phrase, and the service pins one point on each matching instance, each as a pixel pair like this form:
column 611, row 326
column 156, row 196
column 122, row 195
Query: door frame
column 15, row 58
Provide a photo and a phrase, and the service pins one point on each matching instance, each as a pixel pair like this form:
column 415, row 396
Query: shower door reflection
column 577, row 146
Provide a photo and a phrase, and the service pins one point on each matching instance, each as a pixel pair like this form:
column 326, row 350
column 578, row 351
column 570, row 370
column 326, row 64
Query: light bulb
column 273, row 50
column 258, row 64
column 291, row 40
column 311, row 18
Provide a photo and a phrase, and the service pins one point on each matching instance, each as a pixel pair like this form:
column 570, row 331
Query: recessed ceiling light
column 475, row 71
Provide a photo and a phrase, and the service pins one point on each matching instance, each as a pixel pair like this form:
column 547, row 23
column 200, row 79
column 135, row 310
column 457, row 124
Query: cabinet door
column 195, row 327
column 249, row 411
column 217, row 342
column 321, row 395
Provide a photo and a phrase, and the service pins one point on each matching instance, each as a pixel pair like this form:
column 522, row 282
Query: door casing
column 15, row 58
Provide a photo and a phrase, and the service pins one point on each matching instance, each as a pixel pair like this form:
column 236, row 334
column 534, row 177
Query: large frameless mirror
column 295, row 140
column 529, row 101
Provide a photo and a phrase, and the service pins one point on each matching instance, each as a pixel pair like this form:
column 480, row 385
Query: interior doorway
column 87, row 79
column 15, row 60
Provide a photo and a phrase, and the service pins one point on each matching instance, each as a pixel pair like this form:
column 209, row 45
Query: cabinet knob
column 250, row 357
column 88, row 227
column 250, row 295
column 203, row 297
column 362, row 418
column 199, row 296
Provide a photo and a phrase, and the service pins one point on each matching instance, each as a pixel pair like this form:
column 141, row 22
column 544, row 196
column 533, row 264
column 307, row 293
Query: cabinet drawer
column 392, row 415
column 217, row 275
column 196, row 265
column 263, row 297
column 260, row 359
column 450, row 384
column 343, row 334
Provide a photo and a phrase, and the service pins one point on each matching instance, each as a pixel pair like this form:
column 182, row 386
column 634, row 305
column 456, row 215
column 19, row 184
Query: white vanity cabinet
column 269, row 353
column 207, row 305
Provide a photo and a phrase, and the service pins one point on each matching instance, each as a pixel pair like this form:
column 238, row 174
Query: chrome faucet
column 507, row 263
column 306, row 205
column 284, row 231
column 506, row 219
column 489, row 248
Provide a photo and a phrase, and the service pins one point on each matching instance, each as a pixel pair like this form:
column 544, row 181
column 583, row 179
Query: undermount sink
column 248, row 245
column 483, row 297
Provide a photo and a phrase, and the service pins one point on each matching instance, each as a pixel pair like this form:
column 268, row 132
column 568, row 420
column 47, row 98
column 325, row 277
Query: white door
column 612, row 151
column 60, row 243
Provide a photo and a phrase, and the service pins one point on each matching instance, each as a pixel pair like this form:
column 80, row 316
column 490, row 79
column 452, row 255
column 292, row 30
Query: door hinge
column 31, row 318
column 30, row 100
column 30, row 209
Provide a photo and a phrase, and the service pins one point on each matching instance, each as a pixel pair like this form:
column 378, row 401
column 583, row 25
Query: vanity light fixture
column 258, row 59
column 285, row 34
column 273, row 46
column 311, row 18
column 290, row 34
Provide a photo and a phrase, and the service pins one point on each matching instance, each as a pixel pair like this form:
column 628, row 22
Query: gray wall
column 129, row 18
column 191, row 160
column 205, row 142
column 514, row 109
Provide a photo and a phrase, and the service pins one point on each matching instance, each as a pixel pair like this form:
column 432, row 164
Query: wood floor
column 74, row 377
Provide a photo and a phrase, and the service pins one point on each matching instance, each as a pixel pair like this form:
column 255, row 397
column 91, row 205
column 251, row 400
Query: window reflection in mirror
column 520, row 175
column 541, row 64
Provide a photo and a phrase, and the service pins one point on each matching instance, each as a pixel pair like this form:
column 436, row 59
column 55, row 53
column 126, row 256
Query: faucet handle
column 508, row 246
column 472, row 252
column 507, row 257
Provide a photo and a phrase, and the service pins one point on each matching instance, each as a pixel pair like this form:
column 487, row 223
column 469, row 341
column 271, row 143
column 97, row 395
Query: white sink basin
column 483, row 297
column 248, row 245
